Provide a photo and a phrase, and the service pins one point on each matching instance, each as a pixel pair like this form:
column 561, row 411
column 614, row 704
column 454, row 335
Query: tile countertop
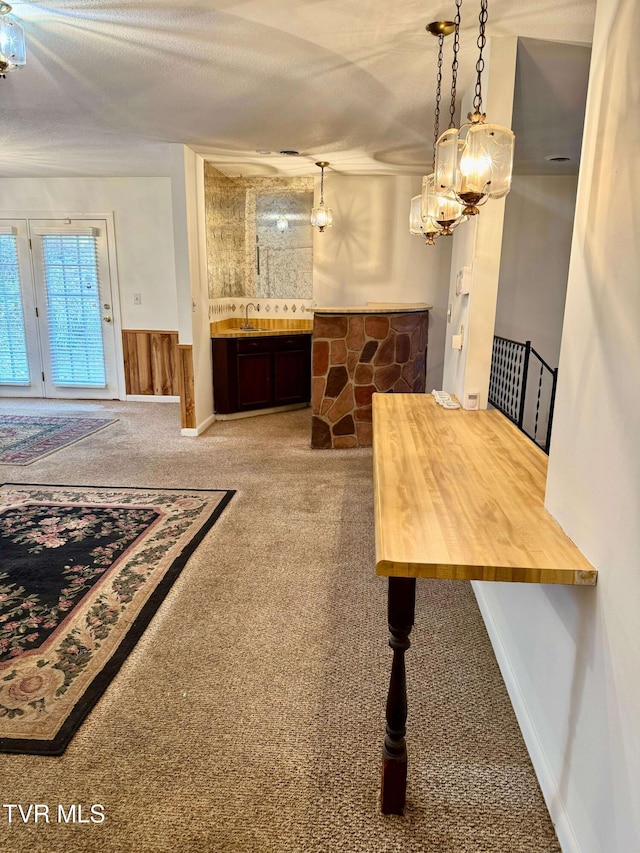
column 230, row 328
column 376, row 308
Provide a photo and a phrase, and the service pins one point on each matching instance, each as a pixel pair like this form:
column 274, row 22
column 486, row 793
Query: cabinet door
column 225, row 391
column 255, row 390
column 292, row 377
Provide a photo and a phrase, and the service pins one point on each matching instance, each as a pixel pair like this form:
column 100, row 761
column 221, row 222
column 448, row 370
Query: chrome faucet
column 247, row 324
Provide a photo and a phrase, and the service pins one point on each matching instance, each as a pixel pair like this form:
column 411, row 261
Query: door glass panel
column 14, row 364
column 73, row 299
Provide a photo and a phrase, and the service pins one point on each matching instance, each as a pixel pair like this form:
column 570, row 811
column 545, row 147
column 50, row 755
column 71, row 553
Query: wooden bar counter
column 458, row 495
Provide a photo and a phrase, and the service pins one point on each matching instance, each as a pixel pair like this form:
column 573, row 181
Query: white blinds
column 74, row 316
column 14, row 366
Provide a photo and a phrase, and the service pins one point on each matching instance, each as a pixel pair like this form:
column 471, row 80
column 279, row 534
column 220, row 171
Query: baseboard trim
column 552, row 797
column 151, row 398
column 255, row 412
column 194, row 432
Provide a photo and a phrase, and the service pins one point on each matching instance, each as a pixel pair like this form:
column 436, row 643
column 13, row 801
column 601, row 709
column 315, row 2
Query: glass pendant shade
column 12, row 47
column 486, row 161
column 427, row 228
column 440, row 206
column 322, row 216
column 415, row 216
column 448, row 148
column 475, row 167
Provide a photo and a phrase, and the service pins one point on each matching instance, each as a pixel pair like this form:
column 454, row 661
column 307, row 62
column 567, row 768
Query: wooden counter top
column 460, row 495
column 230, row 328
column 376, row 308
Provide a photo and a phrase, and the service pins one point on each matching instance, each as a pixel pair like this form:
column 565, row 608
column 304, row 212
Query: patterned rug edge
column 71, row 441
column 81, row 710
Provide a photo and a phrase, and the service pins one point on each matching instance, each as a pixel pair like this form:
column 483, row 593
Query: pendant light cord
column 436, row 122
column 454, row 65
column 482, row 40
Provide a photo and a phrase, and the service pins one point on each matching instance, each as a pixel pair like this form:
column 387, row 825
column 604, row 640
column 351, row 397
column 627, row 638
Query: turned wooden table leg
column 400, row 609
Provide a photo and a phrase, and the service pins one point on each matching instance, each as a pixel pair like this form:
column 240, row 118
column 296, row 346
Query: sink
column 251, row 329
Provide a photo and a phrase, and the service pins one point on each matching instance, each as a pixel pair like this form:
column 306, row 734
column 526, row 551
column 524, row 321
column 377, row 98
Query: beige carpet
column 250, row 716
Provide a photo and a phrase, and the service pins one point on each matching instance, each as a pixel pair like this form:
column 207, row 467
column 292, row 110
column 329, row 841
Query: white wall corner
column 195, row 432
column 478, row 244
column 187, row 186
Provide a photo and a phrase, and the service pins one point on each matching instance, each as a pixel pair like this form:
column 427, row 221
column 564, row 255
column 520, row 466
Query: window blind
column 14, row 365
column 74, row 317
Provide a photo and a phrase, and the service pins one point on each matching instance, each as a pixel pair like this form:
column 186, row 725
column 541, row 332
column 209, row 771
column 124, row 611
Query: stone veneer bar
column 357, row 352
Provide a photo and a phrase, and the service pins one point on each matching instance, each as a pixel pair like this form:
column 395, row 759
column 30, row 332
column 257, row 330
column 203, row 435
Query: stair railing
column 523, row 387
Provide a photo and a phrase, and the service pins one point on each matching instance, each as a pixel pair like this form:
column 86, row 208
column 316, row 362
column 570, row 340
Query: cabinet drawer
column 248, row 345
column 284, row 342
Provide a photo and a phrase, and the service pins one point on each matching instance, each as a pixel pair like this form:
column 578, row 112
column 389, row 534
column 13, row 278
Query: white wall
column 538, row 225
column 144, row 234
column 477, row 245
column 368, row 254
column 571, row 657
column 187, row 184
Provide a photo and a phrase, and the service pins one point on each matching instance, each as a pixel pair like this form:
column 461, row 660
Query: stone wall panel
column 355, row 356
column 338, row 352
column 355, row 337
column 376, row 327
column 329, row 326
column 320, row 358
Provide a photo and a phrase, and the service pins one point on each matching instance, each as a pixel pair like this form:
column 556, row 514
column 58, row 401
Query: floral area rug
column 82, row 572
column 24, row 439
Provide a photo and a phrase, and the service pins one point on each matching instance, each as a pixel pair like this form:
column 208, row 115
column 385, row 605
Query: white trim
column 255, row 412
column 62, row 231
column 151, row 398
column 550, row 791
column 200, row 428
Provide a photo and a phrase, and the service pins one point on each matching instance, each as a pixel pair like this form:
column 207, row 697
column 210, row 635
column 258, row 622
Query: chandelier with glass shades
column 472, row 163
column 434, row 214
column 12, row 47
column 322, row 216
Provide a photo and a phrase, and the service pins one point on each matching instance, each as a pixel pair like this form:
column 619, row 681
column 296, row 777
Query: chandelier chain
column 482, row 40
column 436, row 123
column 322, row 185
column 454, row 65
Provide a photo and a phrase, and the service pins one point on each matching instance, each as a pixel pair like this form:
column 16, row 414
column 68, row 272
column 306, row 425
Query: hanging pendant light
column 322, row 216
column 475, row 163
column 12, row 47
column 441, row 210
column 419, row 225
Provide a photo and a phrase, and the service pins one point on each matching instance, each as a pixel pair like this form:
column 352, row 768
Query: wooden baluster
column 400, row 609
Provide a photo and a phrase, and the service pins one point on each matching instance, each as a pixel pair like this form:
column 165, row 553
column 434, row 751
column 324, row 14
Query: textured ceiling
column 108, row 84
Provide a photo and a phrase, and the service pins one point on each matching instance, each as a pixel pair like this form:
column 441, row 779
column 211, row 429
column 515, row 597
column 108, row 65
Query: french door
column 57, row 331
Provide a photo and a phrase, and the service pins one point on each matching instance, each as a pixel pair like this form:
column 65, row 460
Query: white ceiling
column 108, row 84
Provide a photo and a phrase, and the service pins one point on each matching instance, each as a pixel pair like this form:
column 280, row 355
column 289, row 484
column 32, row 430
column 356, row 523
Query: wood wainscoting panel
column 151, row 362
column 187, row 392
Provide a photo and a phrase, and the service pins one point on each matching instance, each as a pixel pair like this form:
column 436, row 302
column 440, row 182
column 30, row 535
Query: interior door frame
column 112, row 260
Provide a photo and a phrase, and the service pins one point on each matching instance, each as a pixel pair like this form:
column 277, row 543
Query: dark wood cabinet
column 261, row 372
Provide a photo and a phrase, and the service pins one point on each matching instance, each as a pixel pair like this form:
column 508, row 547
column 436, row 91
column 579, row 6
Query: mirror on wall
column 259, row 236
